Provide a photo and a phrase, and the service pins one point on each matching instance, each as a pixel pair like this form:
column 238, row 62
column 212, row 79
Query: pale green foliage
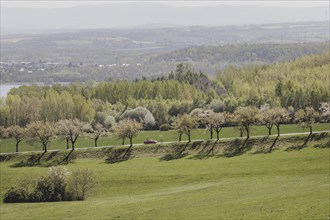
column 217, row 105
column 53, row 106
column 57, row 106
column 29, row 110
column 159, row 111
column 4, row 113
column 83, row 109
column 299, row 83
column 13, row 102
column 81, row 183
column 121, row 91
column 27, row 182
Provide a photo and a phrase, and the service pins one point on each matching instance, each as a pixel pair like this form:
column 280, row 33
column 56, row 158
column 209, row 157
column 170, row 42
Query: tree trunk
column 45, row 147
column 67, row 143
column 247, row 132
column 123, row 141
column 83, row 195
column 310, row 129
column 269, row 131
column 189, row 136
column 17, row 142
column 211, row 133
column 278, row 130
column 241, row 132
column 218, row 135
column 180, row 137
column 95, row 141
column 131, row 141
column 73, row 141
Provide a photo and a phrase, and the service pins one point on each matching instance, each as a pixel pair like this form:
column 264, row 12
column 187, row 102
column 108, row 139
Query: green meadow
column 279, row 185
column 8, row 145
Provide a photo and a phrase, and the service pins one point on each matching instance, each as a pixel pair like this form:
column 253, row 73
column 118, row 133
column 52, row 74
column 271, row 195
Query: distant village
column 40, row 66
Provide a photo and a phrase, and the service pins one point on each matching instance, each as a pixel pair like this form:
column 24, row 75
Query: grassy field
column 8, row 145
column 281, row 185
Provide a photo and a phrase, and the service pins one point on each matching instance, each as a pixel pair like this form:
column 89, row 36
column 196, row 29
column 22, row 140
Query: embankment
column 197, row 149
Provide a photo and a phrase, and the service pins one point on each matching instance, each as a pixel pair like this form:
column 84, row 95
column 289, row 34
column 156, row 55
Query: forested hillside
column 243, row 53
column 302, row 82
column 295, row 84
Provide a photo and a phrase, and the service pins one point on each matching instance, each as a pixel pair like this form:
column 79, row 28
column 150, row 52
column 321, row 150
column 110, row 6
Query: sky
column 62, row 4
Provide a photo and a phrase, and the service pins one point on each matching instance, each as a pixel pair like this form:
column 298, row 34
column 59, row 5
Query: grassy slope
column 281, row 185
column 8, row 145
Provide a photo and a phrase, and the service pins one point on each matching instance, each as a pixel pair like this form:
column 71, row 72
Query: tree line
column 157, row 103
column 298, row 83
column 295, row 84
column 132, row 122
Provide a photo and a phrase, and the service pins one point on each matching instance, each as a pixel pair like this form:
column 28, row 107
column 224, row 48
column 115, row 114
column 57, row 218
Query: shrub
column 165, row 127
column 27, row 183
column 68, row 196
column 45, row 190
column 141, row 115
column 16, row 195
column 36, row 196
column 59, row 175
column 217, row 106
column 57, row 186
column 81, row 183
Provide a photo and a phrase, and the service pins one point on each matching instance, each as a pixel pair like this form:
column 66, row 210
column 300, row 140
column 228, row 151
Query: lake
column 5, row 88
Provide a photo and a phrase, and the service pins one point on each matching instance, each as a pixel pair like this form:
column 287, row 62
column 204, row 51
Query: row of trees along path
column 243, row 118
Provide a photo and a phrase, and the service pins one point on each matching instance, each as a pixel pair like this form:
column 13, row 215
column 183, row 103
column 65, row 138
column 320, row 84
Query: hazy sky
column 60, row 4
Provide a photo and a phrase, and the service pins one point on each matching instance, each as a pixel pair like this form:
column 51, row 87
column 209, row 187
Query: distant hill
column 209, row 59
column 65, row 61
column 140, row 13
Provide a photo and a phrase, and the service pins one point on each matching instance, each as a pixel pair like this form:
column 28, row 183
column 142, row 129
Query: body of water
column 5, row 88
